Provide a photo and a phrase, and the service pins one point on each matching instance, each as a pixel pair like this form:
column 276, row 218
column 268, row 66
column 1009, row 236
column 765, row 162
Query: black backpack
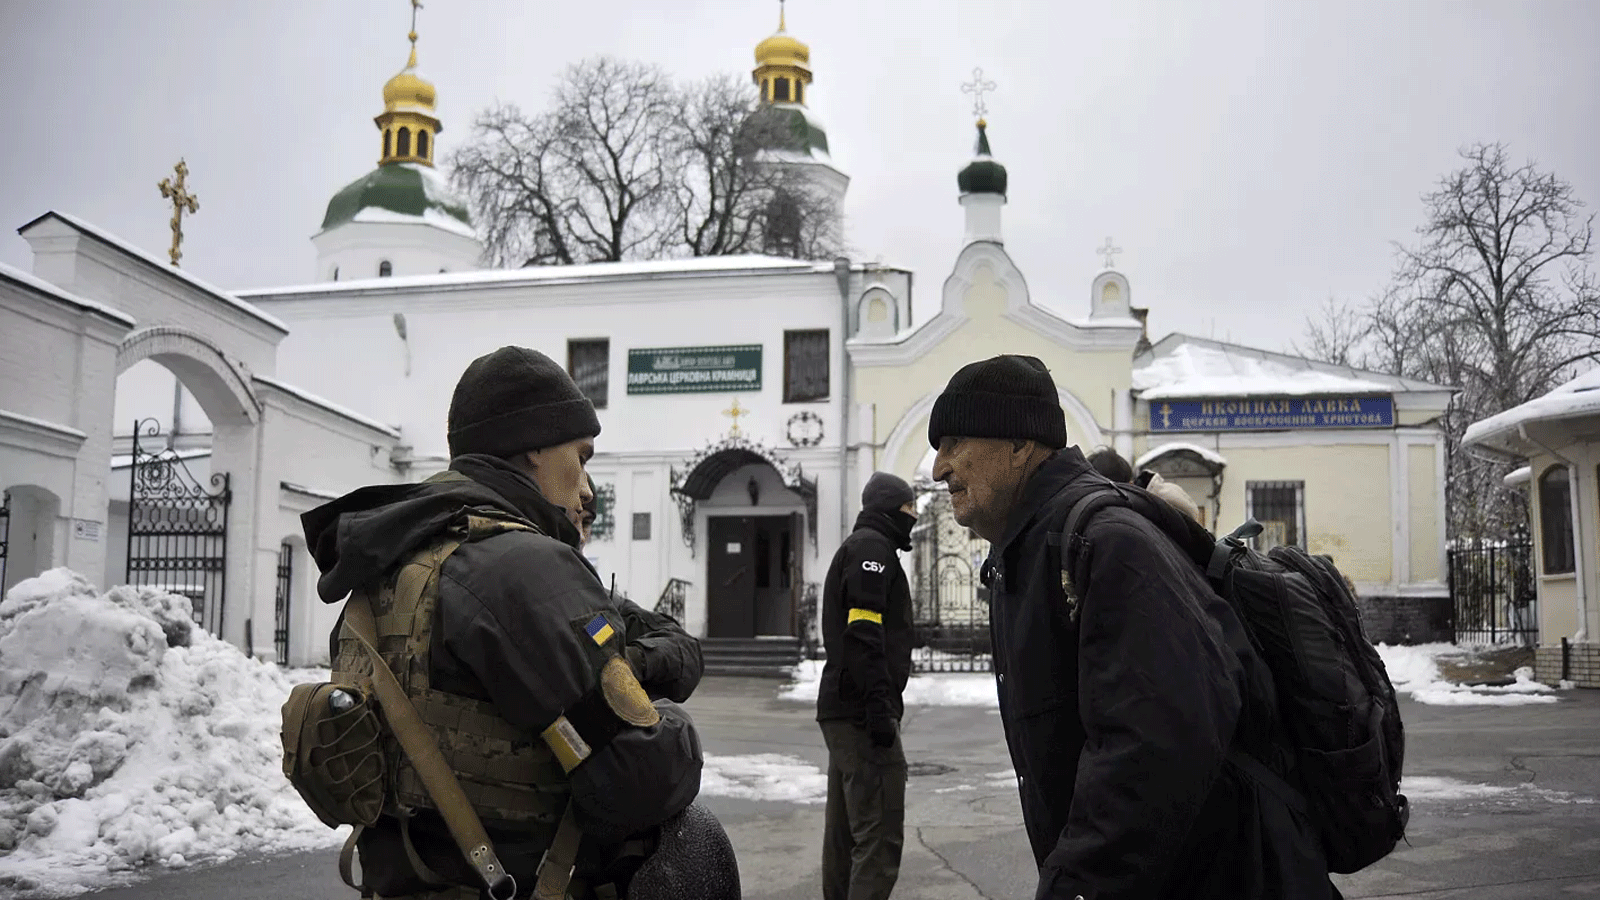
column 1335, row 702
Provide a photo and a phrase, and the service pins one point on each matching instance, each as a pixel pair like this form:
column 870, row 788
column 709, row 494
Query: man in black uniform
column 866, row 628
column 526, row 670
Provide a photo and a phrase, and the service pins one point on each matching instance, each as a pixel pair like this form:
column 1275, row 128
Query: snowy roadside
column 1414, row 671
column 130, row 739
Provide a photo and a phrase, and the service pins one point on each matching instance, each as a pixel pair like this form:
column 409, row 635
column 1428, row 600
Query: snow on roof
column 328, row 405
column 1183, row 366
column 1577, row 398
column 128, row 249
column 35, row 283
column 1205, row 453
column 600, row 271
column 122, row 461
column 1517, row 476
column 430, row 216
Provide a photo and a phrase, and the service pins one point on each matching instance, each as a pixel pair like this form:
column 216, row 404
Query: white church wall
column 357, row 249
column 145, row 390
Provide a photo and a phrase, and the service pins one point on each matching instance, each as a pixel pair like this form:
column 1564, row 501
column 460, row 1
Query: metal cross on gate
column 1109, row 251
column 977, row 87
column 182, row 200
column 734, row 412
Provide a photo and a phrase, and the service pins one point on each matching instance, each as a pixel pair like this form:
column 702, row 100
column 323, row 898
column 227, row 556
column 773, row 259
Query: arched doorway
column 29, row 517
column 758, row 512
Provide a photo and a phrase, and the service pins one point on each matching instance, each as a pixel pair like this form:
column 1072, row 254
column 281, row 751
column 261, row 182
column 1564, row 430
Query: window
column 805, row 366
column 385, row 269
column 387, row 135
column 641, row 526
column 335, row 273
column 1281, row 509
column 1555, row 521
column 403, row 144
column 781, row 90
column 799, row 92
column 422, row 144
column 589, row 364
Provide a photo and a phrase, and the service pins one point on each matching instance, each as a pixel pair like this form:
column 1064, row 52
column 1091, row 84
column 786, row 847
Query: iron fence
column 950, row 609
column 1492, row 589
column 281, row 602
column 177, row 527
column 5, row 536
column 672, row 599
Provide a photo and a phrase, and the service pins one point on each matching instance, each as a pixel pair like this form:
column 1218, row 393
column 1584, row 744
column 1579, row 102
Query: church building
column 155, row 429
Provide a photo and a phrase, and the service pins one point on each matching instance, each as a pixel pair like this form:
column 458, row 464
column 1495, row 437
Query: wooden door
column 730, row 577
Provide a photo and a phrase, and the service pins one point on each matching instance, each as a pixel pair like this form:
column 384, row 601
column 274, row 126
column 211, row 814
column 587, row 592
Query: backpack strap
column 424, row 753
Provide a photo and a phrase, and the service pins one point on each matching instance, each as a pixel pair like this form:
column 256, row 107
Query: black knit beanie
column 885, row 491
column 1008, row 397
column 516, row 399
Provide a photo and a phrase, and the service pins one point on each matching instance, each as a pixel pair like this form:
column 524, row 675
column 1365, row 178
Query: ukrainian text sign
column 690, row 370
column 1281, row 413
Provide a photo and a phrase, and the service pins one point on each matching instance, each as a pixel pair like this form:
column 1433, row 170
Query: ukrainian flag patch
column 599, row 629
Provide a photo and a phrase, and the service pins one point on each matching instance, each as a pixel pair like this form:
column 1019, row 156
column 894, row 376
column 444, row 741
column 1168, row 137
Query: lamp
column 754, row 487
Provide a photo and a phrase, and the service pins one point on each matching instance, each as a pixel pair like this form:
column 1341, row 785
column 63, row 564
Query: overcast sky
column 1252, row 159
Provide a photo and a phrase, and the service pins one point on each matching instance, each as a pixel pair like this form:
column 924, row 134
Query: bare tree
column 1496, row 299
column 1336, row 335
column 628, row 166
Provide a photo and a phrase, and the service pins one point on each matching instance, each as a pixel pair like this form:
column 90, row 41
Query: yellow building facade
column 1340, row 461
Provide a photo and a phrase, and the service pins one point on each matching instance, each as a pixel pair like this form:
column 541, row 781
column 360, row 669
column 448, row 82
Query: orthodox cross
column 734, row 412
column 182, row 200
column 977, row 87
column 415, row 5
column 1109, row 251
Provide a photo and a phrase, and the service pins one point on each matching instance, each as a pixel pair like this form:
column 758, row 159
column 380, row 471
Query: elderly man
column 1124, row 683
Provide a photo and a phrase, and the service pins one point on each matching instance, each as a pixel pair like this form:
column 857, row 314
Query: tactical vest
column 507, row 772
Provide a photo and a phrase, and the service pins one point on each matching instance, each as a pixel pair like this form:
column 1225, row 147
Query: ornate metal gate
column 280, row 605
column 177, row 527
column 5, row 536
column 1491, row 585
column 950, row 609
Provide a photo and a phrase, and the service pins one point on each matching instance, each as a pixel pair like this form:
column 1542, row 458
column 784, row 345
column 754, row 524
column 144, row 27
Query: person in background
column 1110, row 463
column 866, row 630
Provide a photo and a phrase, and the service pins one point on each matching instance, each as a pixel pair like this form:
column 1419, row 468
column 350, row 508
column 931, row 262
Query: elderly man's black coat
column 1123, row 685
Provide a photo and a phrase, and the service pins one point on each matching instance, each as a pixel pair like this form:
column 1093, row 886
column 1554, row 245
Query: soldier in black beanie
column 866, row 630
column 539, row 666
column 1125, row 682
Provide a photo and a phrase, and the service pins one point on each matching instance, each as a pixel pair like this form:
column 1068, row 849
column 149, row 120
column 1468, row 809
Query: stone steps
column 750, row 657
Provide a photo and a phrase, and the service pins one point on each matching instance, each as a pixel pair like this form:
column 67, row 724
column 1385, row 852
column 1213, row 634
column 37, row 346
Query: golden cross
column 734, row 412
column 181, row 200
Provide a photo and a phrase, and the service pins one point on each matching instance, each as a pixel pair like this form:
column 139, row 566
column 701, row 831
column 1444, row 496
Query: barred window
column 1555, row 521
column 1281, row 509
column 805, row 365
column 589, row 364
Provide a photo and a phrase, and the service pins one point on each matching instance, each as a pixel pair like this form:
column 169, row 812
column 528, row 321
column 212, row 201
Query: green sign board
column 694, row 370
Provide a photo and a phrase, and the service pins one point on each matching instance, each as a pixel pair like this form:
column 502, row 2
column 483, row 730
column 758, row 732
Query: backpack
column 1336, row 704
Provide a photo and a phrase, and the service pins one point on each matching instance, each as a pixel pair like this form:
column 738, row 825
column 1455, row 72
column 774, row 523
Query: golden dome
column 408, row 89
column 783, row 50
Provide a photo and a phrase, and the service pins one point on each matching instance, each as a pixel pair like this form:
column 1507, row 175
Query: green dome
column 794, row 130
column 983, row 175
column 403, row 189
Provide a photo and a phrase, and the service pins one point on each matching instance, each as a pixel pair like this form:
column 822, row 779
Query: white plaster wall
column 357, row 248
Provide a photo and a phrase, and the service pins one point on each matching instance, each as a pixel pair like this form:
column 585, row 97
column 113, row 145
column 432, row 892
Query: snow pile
column 1428, row 787
column 1415, row 671
column 130, row 738
column 942, row 689
column 763, row 776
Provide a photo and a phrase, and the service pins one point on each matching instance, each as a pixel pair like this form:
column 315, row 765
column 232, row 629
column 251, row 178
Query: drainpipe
column 1578, row 544
column 841, row 274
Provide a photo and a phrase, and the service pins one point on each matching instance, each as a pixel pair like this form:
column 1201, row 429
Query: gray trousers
column 864, row 826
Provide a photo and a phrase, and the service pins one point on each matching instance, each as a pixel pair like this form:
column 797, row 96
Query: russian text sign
column 1271, row 414
column 691, row 370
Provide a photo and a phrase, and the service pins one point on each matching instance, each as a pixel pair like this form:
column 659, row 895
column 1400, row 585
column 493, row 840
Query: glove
column 882, row 732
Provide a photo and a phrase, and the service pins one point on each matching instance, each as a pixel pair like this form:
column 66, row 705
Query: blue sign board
column 1251, row 414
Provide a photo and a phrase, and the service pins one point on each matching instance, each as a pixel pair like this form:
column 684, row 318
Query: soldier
column 866, row 628
column 526, row 673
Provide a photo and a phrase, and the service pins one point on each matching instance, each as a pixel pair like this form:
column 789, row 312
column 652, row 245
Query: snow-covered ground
column 1415, row 671
column 131, row 739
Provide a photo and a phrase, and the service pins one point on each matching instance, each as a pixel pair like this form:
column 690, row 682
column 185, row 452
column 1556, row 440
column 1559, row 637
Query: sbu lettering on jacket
column 872, row 565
